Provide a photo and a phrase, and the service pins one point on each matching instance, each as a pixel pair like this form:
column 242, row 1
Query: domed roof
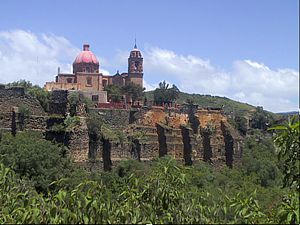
column 86, row 56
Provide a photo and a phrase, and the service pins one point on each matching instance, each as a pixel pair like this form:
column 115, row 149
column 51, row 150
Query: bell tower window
column 136, row 64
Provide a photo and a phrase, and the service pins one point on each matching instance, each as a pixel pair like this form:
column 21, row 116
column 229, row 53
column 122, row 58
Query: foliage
column 30, row 156
column 259, row 119
column 241, row 123
column 162, row 191
column 24, row 110
column 161, row 194
column 133, row 91
column 259, row 160
column 71, row 122
column 164, row 94
column 288, row 211
column 34, row 90
column 116, row 93
column 288, row 145
column 20, row 83
column 75, row 98
column 41, row 95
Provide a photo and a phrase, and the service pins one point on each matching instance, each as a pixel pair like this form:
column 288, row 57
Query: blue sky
column 247, row 50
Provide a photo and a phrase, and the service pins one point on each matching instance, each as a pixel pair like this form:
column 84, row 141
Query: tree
column 32, row 157
column 261, row 119
column 164, row 94
column 133, row 91
column 241, row 123
column 114, row 92
column 41, row 95
column 20, row 83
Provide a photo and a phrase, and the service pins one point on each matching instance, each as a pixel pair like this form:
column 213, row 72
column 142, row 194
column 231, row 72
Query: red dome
column 86, row 56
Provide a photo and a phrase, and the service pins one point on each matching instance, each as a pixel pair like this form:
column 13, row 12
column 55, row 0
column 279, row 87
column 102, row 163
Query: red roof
column 86, row 56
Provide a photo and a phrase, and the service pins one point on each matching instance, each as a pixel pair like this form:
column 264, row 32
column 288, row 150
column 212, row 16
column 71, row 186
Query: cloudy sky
column 246, row 50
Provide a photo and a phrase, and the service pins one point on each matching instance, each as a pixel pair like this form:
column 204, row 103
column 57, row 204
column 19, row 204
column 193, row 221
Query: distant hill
column 210, row 101
column 288, row 113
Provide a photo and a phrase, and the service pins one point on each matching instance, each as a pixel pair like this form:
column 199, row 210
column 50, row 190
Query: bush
column 30, row 156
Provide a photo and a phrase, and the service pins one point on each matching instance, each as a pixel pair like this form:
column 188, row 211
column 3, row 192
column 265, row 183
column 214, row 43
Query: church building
column 87, row 79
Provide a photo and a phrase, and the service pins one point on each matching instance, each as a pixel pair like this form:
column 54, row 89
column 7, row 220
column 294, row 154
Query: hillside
column 229, row 106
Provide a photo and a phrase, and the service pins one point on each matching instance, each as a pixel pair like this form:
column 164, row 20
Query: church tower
column 135, row 67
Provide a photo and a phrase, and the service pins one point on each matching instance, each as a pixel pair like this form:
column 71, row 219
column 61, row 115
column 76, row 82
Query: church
column 87, row 79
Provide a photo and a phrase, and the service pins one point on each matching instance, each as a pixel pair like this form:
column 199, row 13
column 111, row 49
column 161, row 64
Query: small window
column 69, row 80
column 95, row 98
column 88, row 69
column 89, row 81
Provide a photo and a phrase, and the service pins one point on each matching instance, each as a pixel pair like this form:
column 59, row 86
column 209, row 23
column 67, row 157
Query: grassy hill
column 211, row 101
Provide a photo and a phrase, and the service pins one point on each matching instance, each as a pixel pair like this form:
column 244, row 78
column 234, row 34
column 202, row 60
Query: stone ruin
column 188, row 134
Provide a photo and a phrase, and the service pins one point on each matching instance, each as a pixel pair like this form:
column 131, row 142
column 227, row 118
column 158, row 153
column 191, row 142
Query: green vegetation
column 164, row 191
column 164, row 94
column 33, row 158
column 34, row 90
column 75, row 99
column 133, row 91
column 288, row 143
column 40, row 184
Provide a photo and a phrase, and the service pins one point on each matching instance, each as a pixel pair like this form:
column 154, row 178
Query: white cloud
column 248, row 81
column 25, row 55
column 149, row 87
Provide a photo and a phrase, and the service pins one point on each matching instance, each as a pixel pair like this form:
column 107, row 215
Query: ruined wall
column 114, row 117
column 16, row 97
column 167, row 131
column 58, row 103
column 79, row 142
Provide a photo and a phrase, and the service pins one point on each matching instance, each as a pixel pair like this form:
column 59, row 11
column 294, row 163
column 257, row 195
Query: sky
column 246, row 50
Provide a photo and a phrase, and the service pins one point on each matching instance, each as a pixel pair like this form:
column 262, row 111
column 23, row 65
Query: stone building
column 88, row 79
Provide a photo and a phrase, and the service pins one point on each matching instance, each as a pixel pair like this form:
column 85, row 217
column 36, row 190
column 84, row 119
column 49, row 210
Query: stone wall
column 58, row 103
column 16, row 97
column 168, row 132
column 79, row 142
column 114, row 117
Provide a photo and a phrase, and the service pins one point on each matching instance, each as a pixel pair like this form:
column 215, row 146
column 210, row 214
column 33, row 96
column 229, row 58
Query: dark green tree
column 260, row 119
column 164, row 94
column 114, row 92
column 133, row 91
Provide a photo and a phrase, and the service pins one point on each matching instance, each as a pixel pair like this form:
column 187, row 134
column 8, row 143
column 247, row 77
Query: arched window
column 88, row 70
column 69, row 80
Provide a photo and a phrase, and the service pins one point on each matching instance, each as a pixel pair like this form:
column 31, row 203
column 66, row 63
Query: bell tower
column 135, row 66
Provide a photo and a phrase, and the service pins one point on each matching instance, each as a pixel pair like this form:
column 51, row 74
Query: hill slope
column 210, row 101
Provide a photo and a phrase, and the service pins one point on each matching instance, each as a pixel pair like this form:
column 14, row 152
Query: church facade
column 87, row 79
